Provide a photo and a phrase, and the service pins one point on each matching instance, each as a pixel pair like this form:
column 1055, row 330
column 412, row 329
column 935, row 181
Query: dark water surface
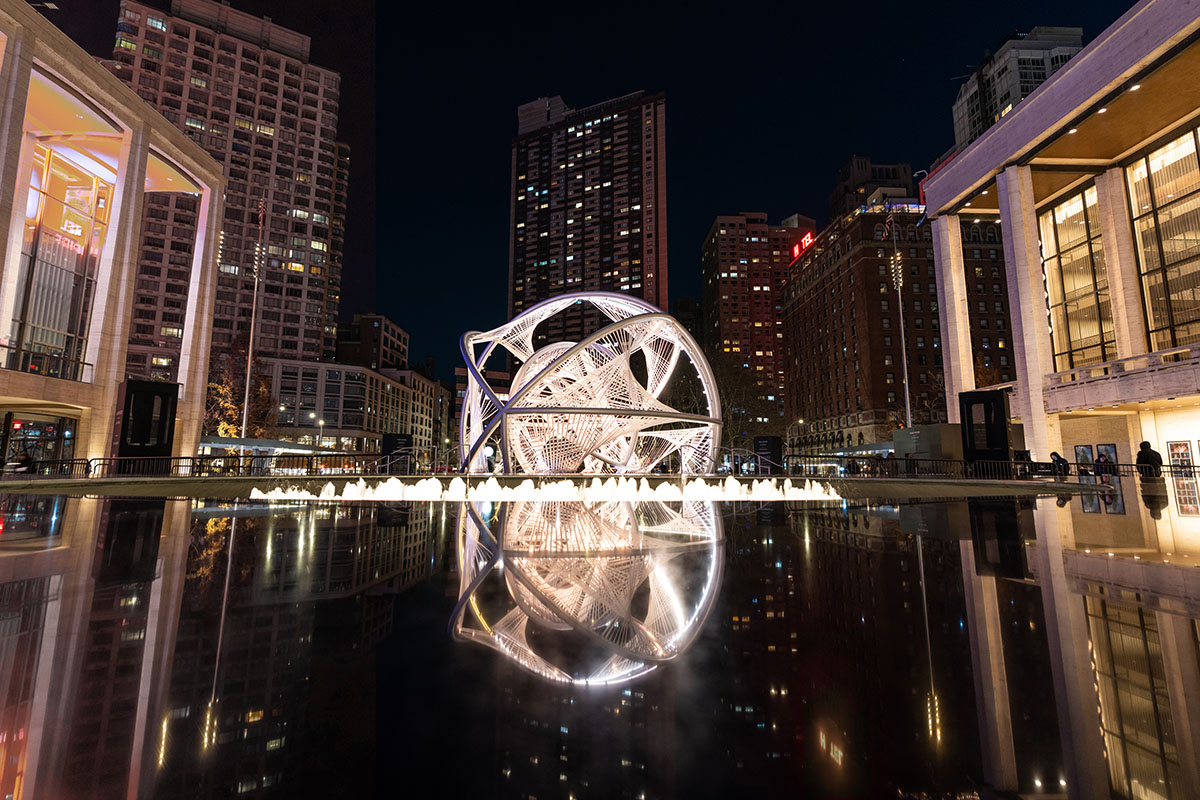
column 183, row 648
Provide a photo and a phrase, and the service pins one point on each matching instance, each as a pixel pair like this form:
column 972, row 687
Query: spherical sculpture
column 594, row 406
column 587, row 593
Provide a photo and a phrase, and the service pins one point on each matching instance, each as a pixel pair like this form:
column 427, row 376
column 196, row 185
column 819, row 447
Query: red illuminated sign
column 804, row 244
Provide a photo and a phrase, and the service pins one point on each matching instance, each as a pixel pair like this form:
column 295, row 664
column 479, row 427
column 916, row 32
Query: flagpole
column 258, row 257
column 898, row 280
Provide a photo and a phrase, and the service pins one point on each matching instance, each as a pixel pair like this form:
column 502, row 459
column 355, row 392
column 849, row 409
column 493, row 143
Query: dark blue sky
column 764, row 102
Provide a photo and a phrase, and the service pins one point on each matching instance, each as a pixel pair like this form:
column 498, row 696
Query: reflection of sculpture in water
column 591, row 593
column 593, row 406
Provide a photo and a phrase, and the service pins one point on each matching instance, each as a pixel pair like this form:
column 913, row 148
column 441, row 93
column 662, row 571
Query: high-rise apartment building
column 860, row 179
column 844, row 366
column 372, row 340
column 1006, row 77
column 745, row 265
column 243, row 88
column 589, row 205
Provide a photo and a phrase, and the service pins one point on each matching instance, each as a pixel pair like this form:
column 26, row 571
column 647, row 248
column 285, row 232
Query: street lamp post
column 898, row 281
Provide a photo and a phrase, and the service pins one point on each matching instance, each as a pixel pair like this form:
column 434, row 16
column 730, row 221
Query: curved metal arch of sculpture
column 581, row 407
column 636, row 580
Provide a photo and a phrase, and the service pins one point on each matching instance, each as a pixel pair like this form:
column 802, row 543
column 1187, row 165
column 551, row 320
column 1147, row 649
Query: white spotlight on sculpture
column 594, row 406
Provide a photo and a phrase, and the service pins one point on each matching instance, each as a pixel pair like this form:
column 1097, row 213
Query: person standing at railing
column 1149, row 461
column 1059, row 466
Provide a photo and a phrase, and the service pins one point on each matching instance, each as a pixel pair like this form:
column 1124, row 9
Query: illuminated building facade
column 589, row 205
column 1006, row 77
column 844, row 366
column 82, row 155
column 244, row 89
column 337, row 407
column 745, row 264
column 1092, row 179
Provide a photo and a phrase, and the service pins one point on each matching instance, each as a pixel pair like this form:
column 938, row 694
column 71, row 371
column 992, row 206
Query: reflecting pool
column 190, row 648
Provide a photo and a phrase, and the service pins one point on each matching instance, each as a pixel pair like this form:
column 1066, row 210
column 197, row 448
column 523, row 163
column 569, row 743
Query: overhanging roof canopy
column 1132, row 85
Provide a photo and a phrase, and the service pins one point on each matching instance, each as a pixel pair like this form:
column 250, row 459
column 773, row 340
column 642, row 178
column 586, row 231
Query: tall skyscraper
column 1006, row 77
column 745, row 265
column 243, row 88
column 589, row 204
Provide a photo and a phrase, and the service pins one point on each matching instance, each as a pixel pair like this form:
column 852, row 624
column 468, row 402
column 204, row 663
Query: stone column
column 112, row 309
column 15, row 71
column 197, row 332
column 954, row 306
column 1120, row 260
column 1070, row 658
column 1183, row 689
column 1032, row 351
column 992, row 700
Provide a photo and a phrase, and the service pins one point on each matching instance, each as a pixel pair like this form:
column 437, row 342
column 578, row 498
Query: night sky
column 764, row 102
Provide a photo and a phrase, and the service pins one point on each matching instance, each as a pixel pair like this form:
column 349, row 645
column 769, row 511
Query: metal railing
column 1146, row 362
column 370, row 464
column 50, row 365
column 876, row 467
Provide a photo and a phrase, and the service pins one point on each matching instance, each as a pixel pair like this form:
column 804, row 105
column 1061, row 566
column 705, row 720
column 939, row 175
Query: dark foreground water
column 180, row 648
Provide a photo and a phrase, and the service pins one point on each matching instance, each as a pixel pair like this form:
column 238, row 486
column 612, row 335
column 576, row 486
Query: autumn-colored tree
column 226, row 388
column 986, row 374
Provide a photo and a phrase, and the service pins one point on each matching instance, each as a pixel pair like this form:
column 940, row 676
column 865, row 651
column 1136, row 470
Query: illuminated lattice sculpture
column 593, row 406
column 590, row 593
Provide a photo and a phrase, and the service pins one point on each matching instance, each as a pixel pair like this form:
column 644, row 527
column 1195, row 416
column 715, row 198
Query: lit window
column 156, row 22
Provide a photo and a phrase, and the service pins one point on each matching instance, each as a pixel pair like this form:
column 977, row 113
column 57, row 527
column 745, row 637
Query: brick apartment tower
column 243, row 88
column 745, row 266
column 589, row 205
column 844, row 366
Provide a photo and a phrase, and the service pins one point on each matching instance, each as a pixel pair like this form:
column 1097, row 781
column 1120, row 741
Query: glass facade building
column 1077, row 282
column 1164, row 196
column 66, row 216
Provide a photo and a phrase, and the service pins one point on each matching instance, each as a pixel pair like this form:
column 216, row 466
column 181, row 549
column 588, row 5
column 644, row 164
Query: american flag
column 887, row 224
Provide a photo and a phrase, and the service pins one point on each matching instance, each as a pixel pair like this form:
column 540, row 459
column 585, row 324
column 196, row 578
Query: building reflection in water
column 146, row 649
column 590, row 593
column 176, row 649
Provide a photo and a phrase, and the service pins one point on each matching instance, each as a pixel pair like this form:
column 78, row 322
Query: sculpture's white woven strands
column 593, row 593
column 593, row 406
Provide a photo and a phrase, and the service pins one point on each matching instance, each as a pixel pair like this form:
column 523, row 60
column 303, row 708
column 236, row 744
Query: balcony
column 49, row 365
column 1151, row 376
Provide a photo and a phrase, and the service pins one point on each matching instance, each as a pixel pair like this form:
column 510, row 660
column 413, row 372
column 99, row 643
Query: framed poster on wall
column 1179, row 454
column 1083, row 456
column 1114, row 501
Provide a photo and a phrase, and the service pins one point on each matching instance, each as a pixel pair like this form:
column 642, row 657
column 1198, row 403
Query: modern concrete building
column 1006, row 77
column 79, row 155
column 349, row 408
column 1093, row 179
column 337, row 407
column 844, row 367
column 372, row 340
column 589, row 205
column 243, row 88
column 745, row 265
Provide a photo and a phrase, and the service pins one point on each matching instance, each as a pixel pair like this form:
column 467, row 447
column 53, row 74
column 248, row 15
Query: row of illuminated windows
column 1164, row 196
